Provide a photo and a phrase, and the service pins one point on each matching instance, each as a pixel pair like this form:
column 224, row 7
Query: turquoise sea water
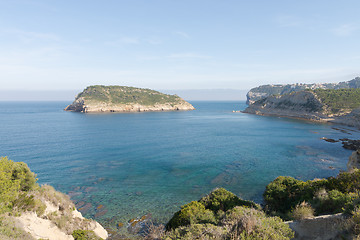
column 139, row 163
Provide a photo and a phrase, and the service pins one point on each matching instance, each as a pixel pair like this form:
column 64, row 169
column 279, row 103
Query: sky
column 176, row 44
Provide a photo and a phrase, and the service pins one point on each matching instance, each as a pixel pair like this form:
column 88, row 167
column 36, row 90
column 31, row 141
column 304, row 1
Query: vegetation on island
column 127, row 95
column 340, row 100
column 20, row 193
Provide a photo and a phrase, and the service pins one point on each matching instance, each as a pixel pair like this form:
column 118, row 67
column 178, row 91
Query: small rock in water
column 139, row 225
column 350, row 144
column 329, row 140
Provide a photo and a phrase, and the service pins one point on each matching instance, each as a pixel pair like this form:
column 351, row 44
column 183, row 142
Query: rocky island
column 325, row 105
column 102, row 99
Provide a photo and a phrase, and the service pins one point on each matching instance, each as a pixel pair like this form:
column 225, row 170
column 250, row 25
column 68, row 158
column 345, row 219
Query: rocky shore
column 81, row 105
column 302, row 105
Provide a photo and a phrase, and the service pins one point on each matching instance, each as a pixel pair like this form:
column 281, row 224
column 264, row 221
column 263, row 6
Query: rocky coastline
column 81, row 105
column 304, row 105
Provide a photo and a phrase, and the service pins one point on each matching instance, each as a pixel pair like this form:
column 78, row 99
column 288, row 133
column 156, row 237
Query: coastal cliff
column 97, row 99
column 337, row 106
column 264, row 91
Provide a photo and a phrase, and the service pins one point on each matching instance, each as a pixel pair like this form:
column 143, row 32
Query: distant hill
column 267, row 90
column 325, row 105
column 101, row 98
column 210, row 94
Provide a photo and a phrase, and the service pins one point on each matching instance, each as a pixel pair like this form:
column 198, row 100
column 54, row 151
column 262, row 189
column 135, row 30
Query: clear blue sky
column 184, row 44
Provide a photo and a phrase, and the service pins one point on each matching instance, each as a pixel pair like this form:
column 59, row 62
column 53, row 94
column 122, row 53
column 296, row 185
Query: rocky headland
column 264, row 91
column 102, row 99
column 340, row 106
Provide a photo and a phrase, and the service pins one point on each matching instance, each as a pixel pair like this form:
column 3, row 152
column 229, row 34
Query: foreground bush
column 191, row 213
column 326, row 196
column 249, row 223
column 223, row 200
column 15, row 178
column 208, row 209
column 223, row 215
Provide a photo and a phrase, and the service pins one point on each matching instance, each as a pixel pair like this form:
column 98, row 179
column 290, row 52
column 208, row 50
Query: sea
column 121, row 166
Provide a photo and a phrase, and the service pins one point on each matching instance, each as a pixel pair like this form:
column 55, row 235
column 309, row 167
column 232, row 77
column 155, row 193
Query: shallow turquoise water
column 141, row 163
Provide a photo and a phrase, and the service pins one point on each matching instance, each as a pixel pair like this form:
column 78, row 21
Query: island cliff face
column 97, row 99
column 337, row 106
column 264, row 91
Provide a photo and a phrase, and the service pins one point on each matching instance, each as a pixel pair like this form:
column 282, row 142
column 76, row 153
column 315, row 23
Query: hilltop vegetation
column 340, row 100
column 100, row 98
column 126, row 95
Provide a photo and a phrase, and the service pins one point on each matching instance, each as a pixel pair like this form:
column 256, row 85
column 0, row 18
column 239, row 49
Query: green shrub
column 24, row 202
column 334, row 202
column 249, row 223
column 14, row 178
column 209, row 209
column 191, row 213
column 285, row 193
column 340, row 99
column 221, row 199
column 85, row 235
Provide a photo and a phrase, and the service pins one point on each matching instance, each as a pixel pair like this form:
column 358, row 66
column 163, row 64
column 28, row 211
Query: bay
column 152, row 163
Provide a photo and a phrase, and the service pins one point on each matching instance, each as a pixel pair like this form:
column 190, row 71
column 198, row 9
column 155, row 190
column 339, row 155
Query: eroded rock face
column 303, row 105
column 354, row 161
column 298, row 105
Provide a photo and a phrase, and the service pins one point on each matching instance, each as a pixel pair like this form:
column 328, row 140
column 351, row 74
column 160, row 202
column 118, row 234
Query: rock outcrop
column 354, row 161
column 264, row 91
column 101, row 99
column 325, row 227
column 304, row 105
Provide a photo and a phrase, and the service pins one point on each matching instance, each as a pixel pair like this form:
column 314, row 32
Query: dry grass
column 155, row 232
column 9, row 230
column 302, row 211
